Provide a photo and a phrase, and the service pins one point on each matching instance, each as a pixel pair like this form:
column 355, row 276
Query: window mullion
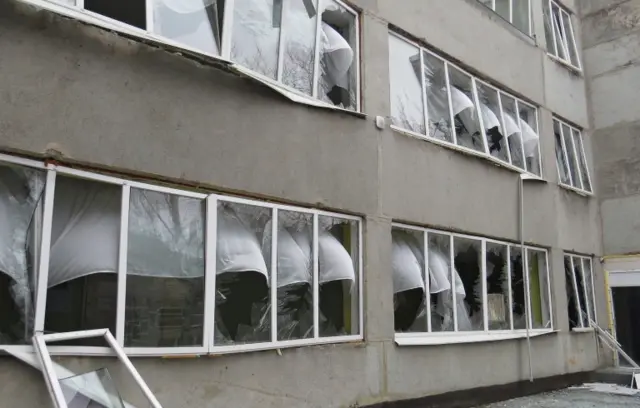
column 316, row 57
column 80, row 4
column 281, row 40
column 227, row 29
column 123, row 247
column 586, row 291
column 577, row 159
column 493, row 5
column 527, row 285
column 504, row 127
column 511, row 11
column 453, row 121
column 45, row 251
column 509, row 285
column 211, row 245
column 584, row 158
column 424, row 94
column 575, row 45
column 427, row 282
column 551, row 319
column 593, row 290
column 452, row 271
column 529, row 28
column 149, row 8
column 274, row 275
column 476, row 101
column 564, row 153
column 485, row 296
column 539, row 143
column 316, row 284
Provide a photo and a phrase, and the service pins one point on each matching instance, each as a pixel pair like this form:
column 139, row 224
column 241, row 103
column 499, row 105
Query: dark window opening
column 132, row 12
column 626, row 306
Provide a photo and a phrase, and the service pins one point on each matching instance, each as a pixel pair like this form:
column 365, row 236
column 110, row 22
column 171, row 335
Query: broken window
column 485, row 119
column 486, row 289
column 571, row 158
column 560, row 37
column 517, row 12
column 579, row 274
column 21, row 190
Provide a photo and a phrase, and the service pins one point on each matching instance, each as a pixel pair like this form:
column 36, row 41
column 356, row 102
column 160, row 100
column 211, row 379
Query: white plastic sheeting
column 334, row 261
column 295, row 263
column 440, row 281
column 407, row 261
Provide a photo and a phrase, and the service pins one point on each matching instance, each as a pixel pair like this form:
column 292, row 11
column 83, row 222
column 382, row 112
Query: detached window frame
column 428, row 336
column 581, row 289
column 420, row 127
column 571, row 158
column 560, row 35
column 220, row 13
column 209, row 256
column 509, row 14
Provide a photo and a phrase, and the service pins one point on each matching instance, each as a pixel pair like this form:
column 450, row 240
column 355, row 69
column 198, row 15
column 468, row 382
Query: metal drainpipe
column 525, row 273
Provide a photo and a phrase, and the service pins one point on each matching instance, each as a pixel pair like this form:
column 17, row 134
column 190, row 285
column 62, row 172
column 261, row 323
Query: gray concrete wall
column 115, row 103
column 611, row 40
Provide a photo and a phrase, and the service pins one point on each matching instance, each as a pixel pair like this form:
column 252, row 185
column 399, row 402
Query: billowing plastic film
column 408, row 280
column 21, row 190
column 468, row 264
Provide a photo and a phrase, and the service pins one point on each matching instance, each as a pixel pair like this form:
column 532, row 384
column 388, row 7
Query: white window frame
column 210, row 201
column 492, row 6
column 579, row 153
column 456, row 336
column 453, row 145
column 591, row 301
column 78, row 12
column 564, row 41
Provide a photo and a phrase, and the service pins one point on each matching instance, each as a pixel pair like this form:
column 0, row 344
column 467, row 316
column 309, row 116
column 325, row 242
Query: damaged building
column 347, row 203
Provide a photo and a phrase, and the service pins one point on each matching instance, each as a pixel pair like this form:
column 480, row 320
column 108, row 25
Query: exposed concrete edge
column 496, row 393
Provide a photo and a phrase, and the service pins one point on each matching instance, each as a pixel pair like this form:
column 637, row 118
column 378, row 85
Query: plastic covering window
column 580, row 291
column 571, row 158
column 560, row 35
column 517, row 12
column 445, row 283
column 170, row 271
column 310, row 47
column 433, row 98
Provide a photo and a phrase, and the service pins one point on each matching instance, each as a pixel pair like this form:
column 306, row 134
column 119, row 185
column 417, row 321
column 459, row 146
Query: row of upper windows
column 174, row 271
column 311, row 47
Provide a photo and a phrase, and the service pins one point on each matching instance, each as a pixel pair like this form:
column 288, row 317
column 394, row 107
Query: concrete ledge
column 486, row 395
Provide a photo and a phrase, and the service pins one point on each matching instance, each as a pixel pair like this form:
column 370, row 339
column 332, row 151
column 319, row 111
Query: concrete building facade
column 81, row 95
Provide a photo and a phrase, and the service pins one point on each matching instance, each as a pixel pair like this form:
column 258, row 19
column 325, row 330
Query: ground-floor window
column 580, row 293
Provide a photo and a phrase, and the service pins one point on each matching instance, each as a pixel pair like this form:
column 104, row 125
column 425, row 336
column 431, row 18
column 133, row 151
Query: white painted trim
column 8, row 159
column 210, row 268
column 315, row 279
column 237, row 348
column 435, row 339
column 274, row 275
column 123, row 252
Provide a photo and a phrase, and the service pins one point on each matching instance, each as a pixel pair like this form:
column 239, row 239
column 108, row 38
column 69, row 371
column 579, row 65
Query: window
column 170, row 271
column 517, row 12
column 309, row 47
column 452, row 286
column 434, row 99
column 559, row 34
column 571, row 158
column 580, row 292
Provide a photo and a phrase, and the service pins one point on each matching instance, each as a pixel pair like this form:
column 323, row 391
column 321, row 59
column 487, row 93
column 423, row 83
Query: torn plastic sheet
column 21, row 189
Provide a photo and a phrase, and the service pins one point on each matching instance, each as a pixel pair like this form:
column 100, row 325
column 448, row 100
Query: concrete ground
column 588, row 397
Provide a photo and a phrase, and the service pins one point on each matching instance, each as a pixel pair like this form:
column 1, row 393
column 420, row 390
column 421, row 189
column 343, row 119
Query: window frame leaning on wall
column 575, row 158
column 430, row 337
column 513, row 125
column 573, row 282
column 559, row 46
column 510, row 17
column 209, row 259
column 76, row 9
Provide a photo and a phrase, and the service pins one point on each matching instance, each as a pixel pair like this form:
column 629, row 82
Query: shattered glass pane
column 573, row 162
column 467, row 122
column 408, row 280
column 513, row 130
column 440, row 287
column 85, row 238
column 295, row 274
column 584, row 170
column 165, row 271
column 195, row 24
column 256, row 35
column 338, row 257
column 572, row 299
column 530, row 137
column 497, row 286
column 468, row 264
column 437, row 98
column 300, row 21
column 407, row 108
column 563, row 166
column 21, row 204
column 582, row 296
column 573, row 54
column 548, row 29
column 518, row 289
column 492, row 121
column 588, row 276
column 242, row 275
column 338, row 61
column 560, row 39
column 94, row 389
column 539, row 289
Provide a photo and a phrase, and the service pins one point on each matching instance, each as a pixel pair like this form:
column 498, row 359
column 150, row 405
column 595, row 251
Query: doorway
column 626, row 308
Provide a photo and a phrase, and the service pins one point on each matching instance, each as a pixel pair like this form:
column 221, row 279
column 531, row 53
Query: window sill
column 467, row 151
column 171, row 46
column 574, row 70
column 576, row 190
column 187, row 352
column 582, row 330
column 436, row 339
